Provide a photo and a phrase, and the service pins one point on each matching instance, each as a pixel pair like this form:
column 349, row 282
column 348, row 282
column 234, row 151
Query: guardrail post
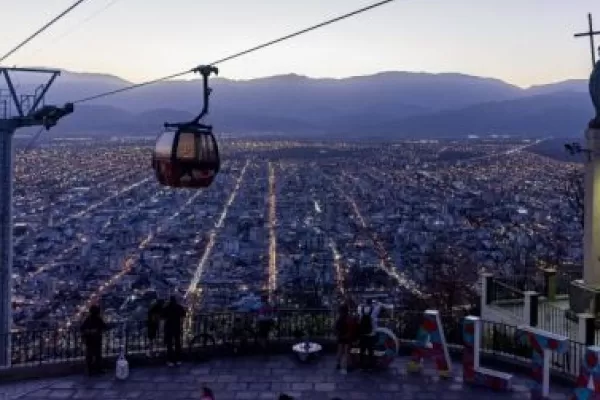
column 531, row 308
column 125, row 338
column 550, row 284
column 586, row 329
column 119, row 334
column 487, row 286
column 5, row 346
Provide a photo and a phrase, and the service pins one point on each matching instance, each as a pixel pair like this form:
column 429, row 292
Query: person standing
column 368, row 315
column 92, row 329
column 153, row 324
column 343, row 334
column 173, row 313
column 266, row 320
column 207, row 394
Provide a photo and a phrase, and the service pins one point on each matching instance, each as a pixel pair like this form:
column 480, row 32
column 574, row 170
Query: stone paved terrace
column 260, row 378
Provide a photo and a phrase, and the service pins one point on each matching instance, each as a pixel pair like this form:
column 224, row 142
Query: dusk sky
column 524, row 42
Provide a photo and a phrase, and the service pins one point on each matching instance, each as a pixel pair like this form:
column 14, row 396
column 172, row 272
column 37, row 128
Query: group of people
column 350, row 328
column 360, row 326
column 173, row 315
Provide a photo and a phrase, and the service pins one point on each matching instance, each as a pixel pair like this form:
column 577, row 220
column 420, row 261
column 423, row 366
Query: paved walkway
column 256, row 378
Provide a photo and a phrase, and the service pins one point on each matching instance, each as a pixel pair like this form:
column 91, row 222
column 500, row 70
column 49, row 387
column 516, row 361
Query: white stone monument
column 585, row 294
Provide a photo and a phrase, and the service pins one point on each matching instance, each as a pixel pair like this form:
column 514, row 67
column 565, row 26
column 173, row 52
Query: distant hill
column 572, row 85
column 387, row 104
column 563, row 114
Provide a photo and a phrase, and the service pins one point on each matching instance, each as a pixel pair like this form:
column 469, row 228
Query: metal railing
column 554, row 319
column 523, row 283
column 502, row 292
column 537, row 281
column 499, row 340
column 51, row 346
column 507, row 297
column 34, row 348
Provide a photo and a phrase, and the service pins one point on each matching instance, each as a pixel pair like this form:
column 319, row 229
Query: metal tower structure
column 16, row 111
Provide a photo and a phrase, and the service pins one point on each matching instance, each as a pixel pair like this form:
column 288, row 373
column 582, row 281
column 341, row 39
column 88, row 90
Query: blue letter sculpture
column 543, row 344
column 588, row 383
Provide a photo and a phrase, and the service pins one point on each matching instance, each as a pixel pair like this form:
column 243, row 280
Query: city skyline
column 541, row 35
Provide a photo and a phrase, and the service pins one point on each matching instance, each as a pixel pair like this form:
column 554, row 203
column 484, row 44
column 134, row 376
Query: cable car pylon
column 17, row 112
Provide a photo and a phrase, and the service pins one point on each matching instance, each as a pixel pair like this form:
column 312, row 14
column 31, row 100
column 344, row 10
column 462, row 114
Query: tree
column 450, row 278
column 368, row 278
column 306, row 286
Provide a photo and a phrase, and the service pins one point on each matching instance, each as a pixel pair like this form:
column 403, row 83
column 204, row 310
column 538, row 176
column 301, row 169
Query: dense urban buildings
column 303, row 222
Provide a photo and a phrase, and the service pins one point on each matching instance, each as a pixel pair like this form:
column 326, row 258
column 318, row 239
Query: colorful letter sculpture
column 588, row 383
column 472, row 372
column 431, row 343
column 543, row 344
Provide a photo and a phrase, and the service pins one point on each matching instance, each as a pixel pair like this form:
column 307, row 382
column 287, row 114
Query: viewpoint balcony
column 48, row 364
column 542, row 299
column 265, row 378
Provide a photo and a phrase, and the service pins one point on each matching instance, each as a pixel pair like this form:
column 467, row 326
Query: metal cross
column 591, row 33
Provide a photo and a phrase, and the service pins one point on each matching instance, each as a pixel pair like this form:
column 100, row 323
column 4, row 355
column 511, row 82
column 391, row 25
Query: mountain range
column 384, row 105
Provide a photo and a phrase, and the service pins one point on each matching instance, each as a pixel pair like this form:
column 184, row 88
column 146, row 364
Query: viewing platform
column 266, row 378
column 50, row 364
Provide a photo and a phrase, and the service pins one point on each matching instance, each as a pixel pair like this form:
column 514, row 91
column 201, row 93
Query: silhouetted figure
column 344, row 339
column 207, row 394
column 153, row 324
column 368, row 315
column 173, row 313
column 91, row 331
column 266, row 319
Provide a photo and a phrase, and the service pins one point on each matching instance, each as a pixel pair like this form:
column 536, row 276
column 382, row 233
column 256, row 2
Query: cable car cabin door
column 208, row 159
column 166, row 170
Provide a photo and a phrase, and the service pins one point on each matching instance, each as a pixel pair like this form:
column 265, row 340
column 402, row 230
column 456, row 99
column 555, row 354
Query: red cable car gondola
column 189, row 156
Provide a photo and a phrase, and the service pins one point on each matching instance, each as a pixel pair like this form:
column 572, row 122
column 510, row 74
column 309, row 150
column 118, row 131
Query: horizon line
column 300, row 75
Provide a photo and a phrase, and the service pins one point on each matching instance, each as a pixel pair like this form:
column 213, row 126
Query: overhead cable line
column 76, row 27
column 34, row 139
column 42, row 29
column 303, row 31
column 135, row 86
column 239, row 54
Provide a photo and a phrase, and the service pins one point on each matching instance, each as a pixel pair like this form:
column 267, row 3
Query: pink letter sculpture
column 431, row 343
